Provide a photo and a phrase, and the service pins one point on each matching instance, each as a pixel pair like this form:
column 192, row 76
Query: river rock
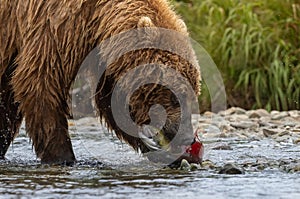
column 207, row 164
column 222, row 147
column 258, row 113
column 297, row 141
column 294, row 113
column 232, row 110
column 284, row 139
column 211, row 129
column 185, row 165
column 292, row 167
column 283, row 133
column 231, row 169
column 289, row 124
column 278, row 115
column 195, row 167
column 244, row 124
column 296, row 129
column 274, row 112
column 265, row 122
column 237, row 117
column 209, row 114
column 296, row 168
column 270, row 132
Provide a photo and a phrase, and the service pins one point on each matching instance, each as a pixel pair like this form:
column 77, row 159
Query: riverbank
column 265, row 146
column 256, row 139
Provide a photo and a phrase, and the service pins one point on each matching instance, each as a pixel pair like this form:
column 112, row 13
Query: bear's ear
column 145, row 22
column 148, row 32
column 182, row 26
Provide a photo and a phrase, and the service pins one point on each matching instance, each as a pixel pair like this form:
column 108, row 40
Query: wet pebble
column 222, row 147
column 296, row 130
column 207, row 164
column 209, row 114
column 232, row 110
column 297, row 141
column 186, row 166
column 195, row 167
column 294, row 113
column 270, row 132
column 258, row 113
column 211, row 129
column 295, row 168
column 283, row 133
column 237, row 118
column 275, row 115
column 291, row 167
column 284, row 139
column 244, row 125
column 231, row 169
column 236, row 129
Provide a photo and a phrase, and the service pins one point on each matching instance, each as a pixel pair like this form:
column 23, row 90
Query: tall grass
column 255, row 44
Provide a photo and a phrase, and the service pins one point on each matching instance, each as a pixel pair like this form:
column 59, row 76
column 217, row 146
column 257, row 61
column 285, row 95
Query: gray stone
column 244, row 125
column 212, row 129
column 259, row 113
column 265, row 121
column 207, row 164
column 289, row 124
column 296, row 129
column 220, row 124
column 297, row 141
column 279, row 115
column 195, row 167
column 270, row 132
column 237, row 118
column 232, row 110
column 222, row 147
column 239, row 111
column 274, row 112
column 292, row 167
column 285, row 139
column 276, row 123
column 226, row 128
column 294, row 113
column 209, row 114
column 223, row 135
column 296, row 168
column 231, row 169
column 297, row 119
column 218, row 119
column 283, row 133
column 185, row 165
column 240, row 136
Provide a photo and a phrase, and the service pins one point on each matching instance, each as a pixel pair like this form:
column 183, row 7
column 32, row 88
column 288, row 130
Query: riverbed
column 265, row 146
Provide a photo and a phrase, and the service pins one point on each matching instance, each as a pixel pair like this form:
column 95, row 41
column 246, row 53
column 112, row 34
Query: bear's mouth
column 162, row 150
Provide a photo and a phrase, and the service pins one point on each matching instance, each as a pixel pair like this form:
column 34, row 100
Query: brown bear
column 43, row 44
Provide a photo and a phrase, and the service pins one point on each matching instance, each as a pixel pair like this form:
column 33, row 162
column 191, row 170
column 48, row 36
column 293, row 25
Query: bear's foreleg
column 10, row 118
column 45, row 113
column 41, row 87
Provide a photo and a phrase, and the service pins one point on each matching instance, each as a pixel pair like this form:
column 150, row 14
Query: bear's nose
column 183, row 134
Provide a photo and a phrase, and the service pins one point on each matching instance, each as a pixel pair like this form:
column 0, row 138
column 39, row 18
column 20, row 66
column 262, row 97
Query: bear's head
column 150, row 87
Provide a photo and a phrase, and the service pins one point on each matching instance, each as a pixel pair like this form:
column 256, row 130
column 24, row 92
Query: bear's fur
column 43, row 44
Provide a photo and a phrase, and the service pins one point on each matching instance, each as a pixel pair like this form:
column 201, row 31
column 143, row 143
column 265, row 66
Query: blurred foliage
column 256, row 46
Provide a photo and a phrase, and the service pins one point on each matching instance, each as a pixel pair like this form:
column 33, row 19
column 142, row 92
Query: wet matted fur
column 43, row 44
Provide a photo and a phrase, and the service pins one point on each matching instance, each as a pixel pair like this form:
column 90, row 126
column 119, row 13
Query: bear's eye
column 174, row 100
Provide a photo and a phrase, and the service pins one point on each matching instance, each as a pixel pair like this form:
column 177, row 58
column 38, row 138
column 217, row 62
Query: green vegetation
column 256, row 46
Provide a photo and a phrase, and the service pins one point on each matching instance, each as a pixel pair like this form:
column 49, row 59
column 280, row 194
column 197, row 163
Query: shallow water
column 107, row 168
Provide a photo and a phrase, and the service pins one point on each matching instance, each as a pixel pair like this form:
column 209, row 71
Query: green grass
column 256, row 46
